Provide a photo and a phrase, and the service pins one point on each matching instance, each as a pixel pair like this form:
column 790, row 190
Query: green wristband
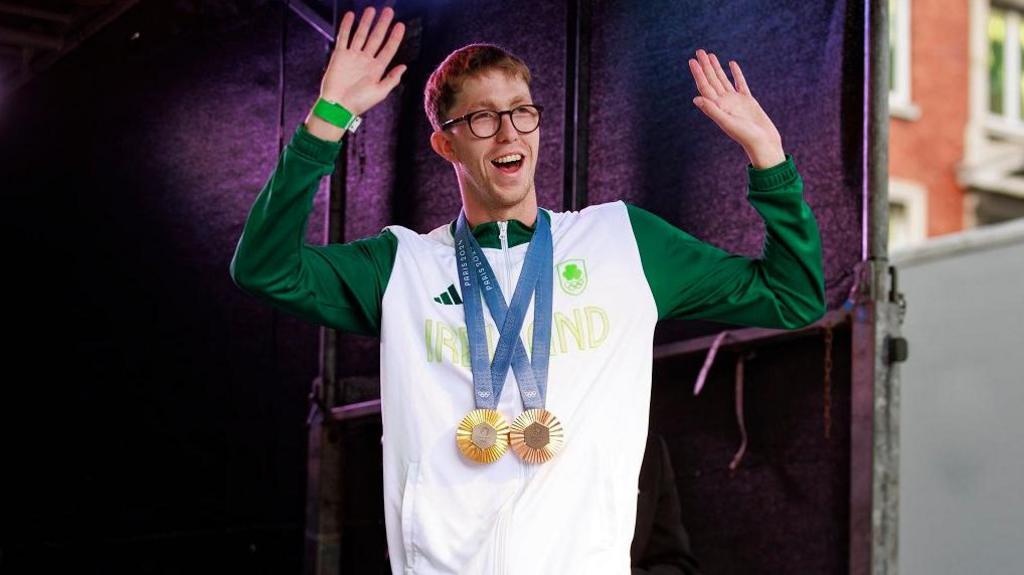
column 334, row 113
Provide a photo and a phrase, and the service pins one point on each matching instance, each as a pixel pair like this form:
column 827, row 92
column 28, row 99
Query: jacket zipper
column 503, row 236
column 506, row 522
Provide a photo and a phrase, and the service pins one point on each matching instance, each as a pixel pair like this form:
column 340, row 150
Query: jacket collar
column 486, row 234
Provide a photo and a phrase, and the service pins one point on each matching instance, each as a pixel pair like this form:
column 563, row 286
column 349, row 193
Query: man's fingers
column 394, row 40
column 395, row 76
column 709, row 72
column 720, row 73
column 741, row 82
column 703, row 86
column 379, row 29
column 711, row 110
column 344, row 29
column 359, row 39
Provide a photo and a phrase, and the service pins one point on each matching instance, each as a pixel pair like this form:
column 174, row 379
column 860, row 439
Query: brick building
column 957, row 116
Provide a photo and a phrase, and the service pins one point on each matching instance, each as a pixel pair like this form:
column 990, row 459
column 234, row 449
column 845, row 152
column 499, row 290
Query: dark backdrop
column 154, row 415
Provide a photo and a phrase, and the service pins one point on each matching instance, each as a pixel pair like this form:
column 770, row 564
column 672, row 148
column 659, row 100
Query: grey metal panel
column 962, row 509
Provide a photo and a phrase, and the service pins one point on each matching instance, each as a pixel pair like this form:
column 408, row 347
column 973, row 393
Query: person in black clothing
column 661, row 545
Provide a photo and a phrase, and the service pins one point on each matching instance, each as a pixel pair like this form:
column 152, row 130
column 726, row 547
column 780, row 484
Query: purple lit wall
column 167, row 430
column 160, row 425
column 651, row 146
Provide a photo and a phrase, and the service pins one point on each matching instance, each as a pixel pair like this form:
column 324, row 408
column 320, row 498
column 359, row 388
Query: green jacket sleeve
column 784, row 288
column 337, row 285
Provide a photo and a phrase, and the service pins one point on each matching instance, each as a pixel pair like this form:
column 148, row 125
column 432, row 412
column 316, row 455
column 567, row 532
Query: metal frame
column 325, row 455
column 40, row 50
column 577, row 105
column 878, row 314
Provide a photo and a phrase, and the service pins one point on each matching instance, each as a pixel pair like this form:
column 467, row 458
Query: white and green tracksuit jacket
column 619, row 270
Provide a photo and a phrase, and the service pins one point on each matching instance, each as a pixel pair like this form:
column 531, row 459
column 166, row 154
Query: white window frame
column 914, row 197
column 1011, row 123
column 900, row 104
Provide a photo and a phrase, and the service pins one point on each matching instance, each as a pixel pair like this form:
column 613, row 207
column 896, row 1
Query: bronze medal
column 536, row 435
column 482, row 436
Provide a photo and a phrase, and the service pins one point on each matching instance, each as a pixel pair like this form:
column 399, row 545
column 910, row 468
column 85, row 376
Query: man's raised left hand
column 735, row 110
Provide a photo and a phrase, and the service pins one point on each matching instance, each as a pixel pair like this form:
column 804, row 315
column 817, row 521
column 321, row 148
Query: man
column 616, row 270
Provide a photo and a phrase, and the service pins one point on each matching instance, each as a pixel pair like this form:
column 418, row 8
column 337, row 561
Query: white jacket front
column 572, row 514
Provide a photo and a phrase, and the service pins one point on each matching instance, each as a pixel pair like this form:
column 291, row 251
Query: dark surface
column 154, row 415
column 786, row 508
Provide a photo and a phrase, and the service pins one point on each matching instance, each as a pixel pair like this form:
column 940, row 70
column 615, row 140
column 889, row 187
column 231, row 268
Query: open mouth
column 508, row 164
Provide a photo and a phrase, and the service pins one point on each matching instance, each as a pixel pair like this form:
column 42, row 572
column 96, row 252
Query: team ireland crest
column 572, row 276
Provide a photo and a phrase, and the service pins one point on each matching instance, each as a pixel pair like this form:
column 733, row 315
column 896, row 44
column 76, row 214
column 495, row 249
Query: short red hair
column 446, row 80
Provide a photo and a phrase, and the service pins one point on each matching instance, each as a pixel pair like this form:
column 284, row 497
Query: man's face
column 482, row 182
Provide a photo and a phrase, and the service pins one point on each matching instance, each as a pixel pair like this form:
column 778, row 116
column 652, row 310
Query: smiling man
column 494, row 156
column 516, row 328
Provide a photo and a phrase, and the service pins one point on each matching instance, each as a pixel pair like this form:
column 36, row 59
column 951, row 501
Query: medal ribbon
column 475, row 274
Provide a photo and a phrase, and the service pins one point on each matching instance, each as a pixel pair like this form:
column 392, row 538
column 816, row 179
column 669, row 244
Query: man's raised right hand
column 355, row 73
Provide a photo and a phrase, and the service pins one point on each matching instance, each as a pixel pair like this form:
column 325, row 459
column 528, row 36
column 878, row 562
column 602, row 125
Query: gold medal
column 482, row 435
column 536, row 435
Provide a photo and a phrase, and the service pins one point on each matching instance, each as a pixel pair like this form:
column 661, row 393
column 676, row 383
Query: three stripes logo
column 449, row 297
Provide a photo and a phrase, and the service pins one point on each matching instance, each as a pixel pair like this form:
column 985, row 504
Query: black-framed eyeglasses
column 486, row 123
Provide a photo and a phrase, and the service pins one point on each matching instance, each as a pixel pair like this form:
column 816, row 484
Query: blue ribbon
column 475, row 275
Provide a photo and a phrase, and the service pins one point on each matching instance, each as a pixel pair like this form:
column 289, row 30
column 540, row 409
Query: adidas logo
column 449, row 297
